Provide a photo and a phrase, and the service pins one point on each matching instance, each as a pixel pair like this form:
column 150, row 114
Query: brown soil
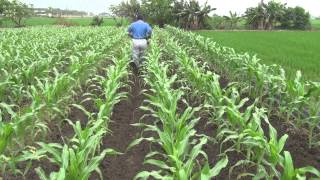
column 125, row 113
column 297, row 144
column 127, row 165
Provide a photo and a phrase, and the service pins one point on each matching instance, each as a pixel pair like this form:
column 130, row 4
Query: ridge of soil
column 296, row 144
column 125, row 113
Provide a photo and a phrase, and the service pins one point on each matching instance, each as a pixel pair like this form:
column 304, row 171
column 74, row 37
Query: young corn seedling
column 285, row 98
column 292, row 173
column 80, row 158
column 244, row 130
column 50, row 93
column 83, row 156
column 313, row 122
column 176, row 135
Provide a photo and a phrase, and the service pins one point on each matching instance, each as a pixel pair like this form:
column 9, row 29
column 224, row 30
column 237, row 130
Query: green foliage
column 128, row 9
column 158, row 12
column 296, row 18
column 185, row 14
column 191, row 15
column 46, row 21
column 315, row 24
column 266, row 81
column 232, row 20
column 3, row 5
column 41, row 85
column 16, row 11
column 291, row 57
column 217, row 22
column 174, row 132
column 264, row 16
column 241, row 125
column 97, row 21
column 268, row 16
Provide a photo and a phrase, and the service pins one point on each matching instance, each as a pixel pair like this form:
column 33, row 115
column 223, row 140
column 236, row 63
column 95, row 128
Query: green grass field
column 38, row 21
column 292, row 50
column 315, row 24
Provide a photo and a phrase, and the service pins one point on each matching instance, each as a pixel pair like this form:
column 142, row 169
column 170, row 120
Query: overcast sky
column 223, row 6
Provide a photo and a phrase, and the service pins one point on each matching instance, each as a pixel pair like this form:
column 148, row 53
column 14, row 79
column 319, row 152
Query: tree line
column 271, row 15
column 180, row 13
column 189, row 14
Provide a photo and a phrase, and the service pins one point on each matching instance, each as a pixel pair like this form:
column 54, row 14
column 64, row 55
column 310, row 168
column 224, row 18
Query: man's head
column 139, row 17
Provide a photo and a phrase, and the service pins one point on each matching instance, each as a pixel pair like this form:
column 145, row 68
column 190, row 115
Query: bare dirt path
column 125, row 113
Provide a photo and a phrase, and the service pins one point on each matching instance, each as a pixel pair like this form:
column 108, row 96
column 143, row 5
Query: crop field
column 71, row 108
column 41, row 21
column 315, row 24
column 292, row 50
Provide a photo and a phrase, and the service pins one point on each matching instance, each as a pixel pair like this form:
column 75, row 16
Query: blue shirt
column 140, row 30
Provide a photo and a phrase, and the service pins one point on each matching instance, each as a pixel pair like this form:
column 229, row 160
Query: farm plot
column 293, row 50
column 70, row 109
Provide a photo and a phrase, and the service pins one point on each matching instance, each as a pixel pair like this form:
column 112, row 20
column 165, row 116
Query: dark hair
column 139, row 17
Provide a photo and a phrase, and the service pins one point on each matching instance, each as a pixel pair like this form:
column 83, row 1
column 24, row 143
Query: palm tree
column 255, row 17
column 274, row 12
column 265, row 15
column 128, row 9
column 233, row 19
column 193, row 15
column 204, row 14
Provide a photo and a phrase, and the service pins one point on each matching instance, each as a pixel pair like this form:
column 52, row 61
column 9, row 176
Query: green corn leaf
column 158, row 163
column 289, row 170
column 6, row 131
column 144, row 175
column 218, row 167
column 138, row 141
column 41, row 173
column 309, row 169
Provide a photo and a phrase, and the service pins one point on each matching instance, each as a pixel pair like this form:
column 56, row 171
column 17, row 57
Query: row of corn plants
column 294, row 100
column 181, row 155
column 81, row 156
column 21, row 126
column 242, row 129
column 30, row 53
column 24, row 59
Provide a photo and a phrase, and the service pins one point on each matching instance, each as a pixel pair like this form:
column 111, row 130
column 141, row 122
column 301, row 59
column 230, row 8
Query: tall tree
column 255, row 17
column 193, row 15
column 158, row 12
column 233, row 19
column 302, row 18
column 3, row 4
column 17, row 11
column 274, row 12
column 183, row 13
column 264, row 16
column 129, row 9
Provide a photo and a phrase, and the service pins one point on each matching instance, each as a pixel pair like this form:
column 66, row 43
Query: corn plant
column 181, row 149
column 83, row 156
column 283, row 97
column 48, row 91
column 79, row 159
column 290, row 172
column 313, row 121
column 242, row 129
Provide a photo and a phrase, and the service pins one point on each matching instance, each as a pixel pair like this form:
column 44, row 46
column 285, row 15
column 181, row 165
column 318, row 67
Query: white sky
column 223, row 6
